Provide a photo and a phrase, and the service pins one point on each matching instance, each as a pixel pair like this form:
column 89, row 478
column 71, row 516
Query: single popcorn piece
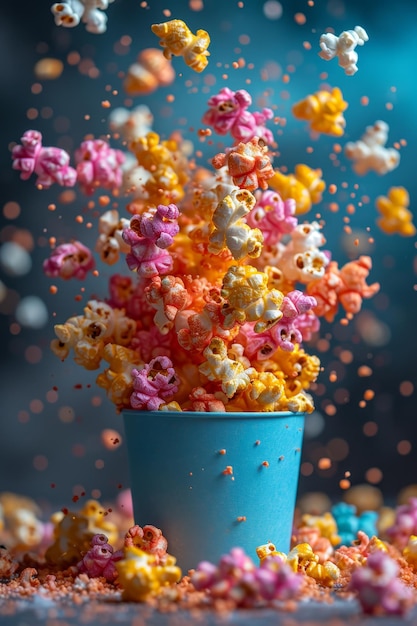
column 130, row 124
column 100, row 559
column 141, row 578
column 110, row 242
column 395, row 215
column 98, row 165
column 220, row 368
column 153, row 384
column 228, row 113
column 150, row 71
column 301, row 260
column 274, row 216
column 168, row 295
column 305, row 187
column 177, row 39
column 51, row 165
column 324, row 111
column 248, row 298
column 230, row 231
column 343, row 47
column 248, row 164
column 69, row 260
column 370, row 153
column 149, row 539
column 91, row 12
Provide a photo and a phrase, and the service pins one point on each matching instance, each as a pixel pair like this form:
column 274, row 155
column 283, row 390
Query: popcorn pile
column 89, row 554
column 228, row 281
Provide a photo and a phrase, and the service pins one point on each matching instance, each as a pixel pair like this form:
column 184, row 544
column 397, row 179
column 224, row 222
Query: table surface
column 38, row 610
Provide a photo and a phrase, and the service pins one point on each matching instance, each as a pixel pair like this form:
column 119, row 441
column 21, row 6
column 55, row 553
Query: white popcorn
column 343, row 47
column 370, row 153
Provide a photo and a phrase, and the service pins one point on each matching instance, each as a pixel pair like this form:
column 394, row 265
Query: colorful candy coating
column 324, row 111
column 176, row 39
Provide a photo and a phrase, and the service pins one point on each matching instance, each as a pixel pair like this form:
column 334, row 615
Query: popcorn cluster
column 229, row 282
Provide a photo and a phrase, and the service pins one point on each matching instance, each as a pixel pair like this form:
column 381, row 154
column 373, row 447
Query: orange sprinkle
column 170, row 97
column 324, row 463
column 51, row 207
column 300, row 19
column 95, row 273
column 228, row 471
column 369, row 394
column 106, row 104
column 53, row 289
column 79, row 219
column 52, row 242
column 332, row 188
column 104, row 200
column 222, row 451
column 344, row 484
column 364, row 101
column 364, row 370
column 241, row 518
column 265, row 463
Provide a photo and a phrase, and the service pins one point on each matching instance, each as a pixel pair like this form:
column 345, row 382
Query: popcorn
column 378, row 588
column 305, row 187
column 151, row 70
column 230, row 231
column 141, row 578
column 110, row 242
column 100, row 559
column 248, row 298
column 51, row 165
column 98, row 165
column 324, row 112
column 395, row 216
column 74, row 532
column 405, row 524
column 90, row 12
column 236, row 578
column 370, row 153
column 168, row 296
column 220, row 368
column 128, row 124
column 228, row 113
column 153, row 384
column 302, row 558
column 343, row 47
column 176, row 39
column 69, row 260
column 149, row 539
column 248, row 164
column 410, row 552
column 273, row 216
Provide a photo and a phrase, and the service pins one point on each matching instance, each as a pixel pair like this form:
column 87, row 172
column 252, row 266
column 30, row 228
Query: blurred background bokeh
column 56, row 439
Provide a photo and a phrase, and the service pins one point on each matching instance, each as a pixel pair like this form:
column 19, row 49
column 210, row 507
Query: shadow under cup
column 214, row 481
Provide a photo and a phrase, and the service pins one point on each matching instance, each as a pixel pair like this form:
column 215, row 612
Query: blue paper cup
column 213, row 481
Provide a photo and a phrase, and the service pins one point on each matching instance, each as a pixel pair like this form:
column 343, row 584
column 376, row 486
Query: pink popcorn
column 405, row 524
column 153, row 384
column 151, row 343
column 157, row 224
column 232, row 579
column 237, row 578
column 51, row 165
column 69, row 260
column 228, row 113
column 148, row 235
column 98, row 165
column 379, row 589
column 273, row 216
column 276, row 580
column 149, row 539
column 100, row 560
column 248, row 164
